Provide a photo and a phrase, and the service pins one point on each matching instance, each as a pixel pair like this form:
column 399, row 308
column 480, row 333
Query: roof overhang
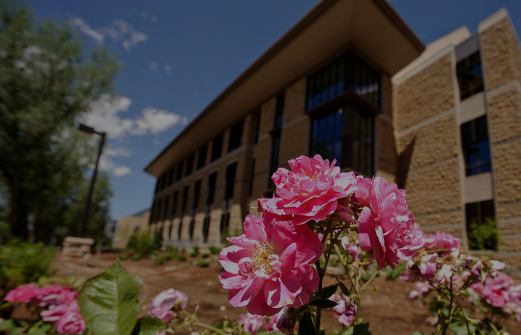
column 372, row 27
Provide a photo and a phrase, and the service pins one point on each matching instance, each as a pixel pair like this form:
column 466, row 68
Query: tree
column 45, row 83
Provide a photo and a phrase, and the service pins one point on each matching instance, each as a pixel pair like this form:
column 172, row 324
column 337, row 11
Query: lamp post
column 90, row 130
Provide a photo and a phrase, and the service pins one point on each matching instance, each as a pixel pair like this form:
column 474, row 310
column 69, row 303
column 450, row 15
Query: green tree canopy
column 46, row 82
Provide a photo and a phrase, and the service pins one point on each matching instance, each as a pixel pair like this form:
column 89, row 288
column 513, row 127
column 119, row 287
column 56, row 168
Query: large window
column 184, row 201
column 235, row 139
column 230, row 181
column 170, row 177
column 179, row 171
column 217, row 145
column 212, row 181
column 476, row 146
column 470, row 75
column 345, row 134
column 197, row 192
column 189, row 165
column 275, row 138
column 347, row 73
column 201, row 156
column 481, row 225
column 174, row 204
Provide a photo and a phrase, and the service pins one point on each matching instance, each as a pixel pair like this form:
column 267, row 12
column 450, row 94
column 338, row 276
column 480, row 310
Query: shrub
column 141, row 245
column 205, row 255
column 214, row 250
column 195, row 252
column 24, row 263
column 181, row 258
column 162, row 259
column 483, row 236
column 202, row 263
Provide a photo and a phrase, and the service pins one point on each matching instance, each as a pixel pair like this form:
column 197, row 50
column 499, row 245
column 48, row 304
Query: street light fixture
column 89, row 130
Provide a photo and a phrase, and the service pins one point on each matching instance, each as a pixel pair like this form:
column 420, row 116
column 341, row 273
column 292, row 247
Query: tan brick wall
column 434, row 191
column 427, row 147
column 501, row 54
column 424, row 95
column 431, row 143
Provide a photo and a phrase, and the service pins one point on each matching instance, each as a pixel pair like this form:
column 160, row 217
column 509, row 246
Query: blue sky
column 179, row 55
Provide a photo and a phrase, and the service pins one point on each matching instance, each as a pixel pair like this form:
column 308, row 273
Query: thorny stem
column 193, row 320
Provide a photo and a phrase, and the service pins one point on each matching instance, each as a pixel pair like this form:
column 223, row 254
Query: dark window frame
column 212, row 184
column 475, row 145
column 229, row 187
column 217, row 148
column 235, row 138
column 201, row 156
column 469, row 71
column 480, row 213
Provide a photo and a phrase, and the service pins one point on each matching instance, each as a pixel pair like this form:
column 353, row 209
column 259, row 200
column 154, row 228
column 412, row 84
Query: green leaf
column 148, row 326
column 322, row 303
column 329, row 291
column 11, row 327
column 306, row 326
column 361, row 329
column 343, row 288
column 39, row 328
column 109, row 301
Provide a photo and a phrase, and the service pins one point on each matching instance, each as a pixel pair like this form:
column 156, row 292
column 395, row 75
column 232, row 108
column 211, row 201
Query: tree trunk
column 17, row 214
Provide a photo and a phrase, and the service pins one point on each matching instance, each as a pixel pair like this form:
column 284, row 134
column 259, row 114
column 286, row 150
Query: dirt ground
column 387, row 308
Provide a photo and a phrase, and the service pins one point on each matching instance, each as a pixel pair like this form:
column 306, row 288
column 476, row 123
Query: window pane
column 476, row 146
column 470, row 75
column 481, row 225
column 201, row 156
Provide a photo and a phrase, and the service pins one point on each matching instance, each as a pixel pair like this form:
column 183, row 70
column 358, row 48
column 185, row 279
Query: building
column 126, row 225
column 368, row 93
column 457, row 126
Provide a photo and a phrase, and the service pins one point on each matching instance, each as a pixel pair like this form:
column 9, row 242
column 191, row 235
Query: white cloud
column 87, row 30
column 153, row 66
column 120, row 32
column 156, row 120
column 117, row 152
column 104, row 115
column 121, row 171
column 147, row 17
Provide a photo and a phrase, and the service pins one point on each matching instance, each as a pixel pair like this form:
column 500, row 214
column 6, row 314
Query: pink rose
column 345, row 310
column 269, row 266
column 252, row 323
column 70, row 323
column 385, row 224
column 282, row 321
column 23, row 293
column 310, row 191
column 351, row 248
column 495, row 291
column 164, row 302
column 443, row 242
column 54, row 313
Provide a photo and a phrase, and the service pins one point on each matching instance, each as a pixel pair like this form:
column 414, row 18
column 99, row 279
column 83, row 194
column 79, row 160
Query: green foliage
column 195, row 252
column 205, row 255
column 22, row 263
column 47, row 83
column 483, row 236
column 392, row 274
column 148, row 326
column 14, row 327
column 109, row 302
column 214, row 250
column 202, row 263
column 141, row 245
column 163, row 259
column 5, row 231
column 181, row 258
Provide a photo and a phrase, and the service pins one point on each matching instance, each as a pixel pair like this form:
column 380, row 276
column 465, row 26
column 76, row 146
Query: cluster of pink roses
column 270, row 266
column 437, row 263
column 279, row 322
column 60, row 303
